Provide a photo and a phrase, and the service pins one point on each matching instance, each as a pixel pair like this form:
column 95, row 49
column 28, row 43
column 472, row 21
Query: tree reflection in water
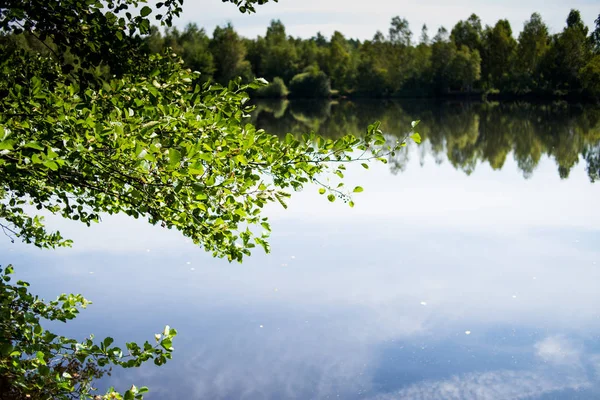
column 464, row 133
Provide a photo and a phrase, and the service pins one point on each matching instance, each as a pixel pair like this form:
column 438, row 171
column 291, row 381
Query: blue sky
column 361, row 19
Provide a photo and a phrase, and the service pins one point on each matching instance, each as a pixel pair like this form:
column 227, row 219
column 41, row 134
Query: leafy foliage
column 275, row 89
column 152, row 146
column 38, row 364
column 311, row 83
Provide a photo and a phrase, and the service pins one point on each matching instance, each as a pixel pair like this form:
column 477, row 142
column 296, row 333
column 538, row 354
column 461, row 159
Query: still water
column 468, row 269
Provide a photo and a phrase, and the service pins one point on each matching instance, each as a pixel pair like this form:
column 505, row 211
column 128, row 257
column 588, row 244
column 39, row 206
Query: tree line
column 468, row 59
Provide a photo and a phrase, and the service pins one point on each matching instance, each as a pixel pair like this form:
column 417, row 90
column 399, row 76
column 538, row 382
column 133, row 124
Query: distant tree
column 590, row 76
column 468, row 33
column 195, row 51
column 398, row 53
column 311, row 83
column 443, row 52
column 533, row 44
column 499, row 50
column 280, row 57
column 338, row 65
column 399, row 31
column 229, row 54
column 465, row 68
column 424, row 39
column 569, row 52
column 320, row 40
column 371, row 72
column 595, row 37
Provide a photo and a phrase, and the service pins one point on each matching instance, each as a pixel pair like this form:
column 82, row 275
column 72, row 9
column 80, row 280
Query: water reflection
column 464, row 133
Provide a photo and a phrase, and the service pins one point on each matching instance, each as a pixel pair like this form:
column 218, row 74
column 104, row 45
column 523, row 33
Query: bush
column 310, row 84
column 274, row 90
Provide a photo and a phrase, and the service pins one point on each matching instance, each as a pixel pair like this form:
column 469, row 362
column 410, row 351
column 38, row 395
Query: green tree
column 569, row 52
column 533, row 44
column 590, row 76
column 399, row 58
column 424, row 39
column 339, row 62
column 195, row 51
column 400, row 33
column 595, row 36
column 499, row 49
column 443, row 51
column 372, row 69
column 465, row 68
column 468, row 33
column 229, row 54
column 312, row 83
column 279, row 57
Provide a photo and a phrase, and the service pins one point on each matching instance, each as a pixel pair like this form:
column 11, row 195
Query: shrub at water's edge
column 274, row 90
column 311, row 83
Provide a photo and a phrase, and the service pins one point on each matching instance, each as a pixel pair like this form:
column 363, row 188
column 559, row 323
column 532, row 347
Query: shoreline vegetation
column 469, row 61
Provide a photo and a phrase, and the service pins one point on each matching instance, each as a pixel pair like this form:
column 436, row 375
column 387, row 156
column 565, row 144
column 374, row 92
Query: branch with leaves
column 35, row 363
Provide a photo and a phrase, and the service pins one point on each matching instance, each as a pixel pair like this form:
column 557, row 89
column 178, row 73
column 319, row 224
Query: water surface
column 469, row 269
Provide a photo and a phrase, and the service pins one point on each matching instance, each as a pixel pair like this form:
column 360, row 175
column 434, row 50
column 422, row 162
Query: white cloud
column 495, row 385
column 558, row 350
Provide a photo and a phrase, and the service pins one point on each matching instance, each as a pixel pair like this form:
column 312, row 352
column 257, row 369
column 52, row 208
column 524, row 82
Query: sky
column 361, row 19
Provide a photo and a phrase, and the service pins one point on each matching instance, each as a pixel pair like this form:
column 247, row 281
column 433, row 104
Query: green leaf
column 414, row 123
column 358, row 189
column 108, row 341
column 5, row 348
column 40, row 357
column 167, row 343
column 7, row 145
column 174, row 157
column 34, row 145
column 331, row 198
column 322, row 191
column 145, row 11
column 365, row 165
column 416, row 137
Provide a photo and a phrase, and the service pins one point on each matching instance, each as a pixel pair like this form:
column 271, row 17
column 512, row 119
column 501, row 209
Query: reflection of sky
column 371, row 303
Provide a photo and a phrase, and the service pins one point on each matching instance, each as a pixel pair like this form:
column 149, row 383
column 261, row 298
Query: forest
column 470, row 59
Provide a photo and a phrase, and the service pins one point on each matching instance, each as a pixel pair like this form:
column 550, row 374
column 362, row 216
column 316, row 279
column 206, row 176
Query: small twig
column 5, row 229
column 41, row 41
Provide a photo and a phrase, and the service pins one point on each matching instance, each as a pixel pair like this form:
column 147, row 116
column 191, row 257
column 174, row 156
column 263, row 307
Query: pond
column 468, row 269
